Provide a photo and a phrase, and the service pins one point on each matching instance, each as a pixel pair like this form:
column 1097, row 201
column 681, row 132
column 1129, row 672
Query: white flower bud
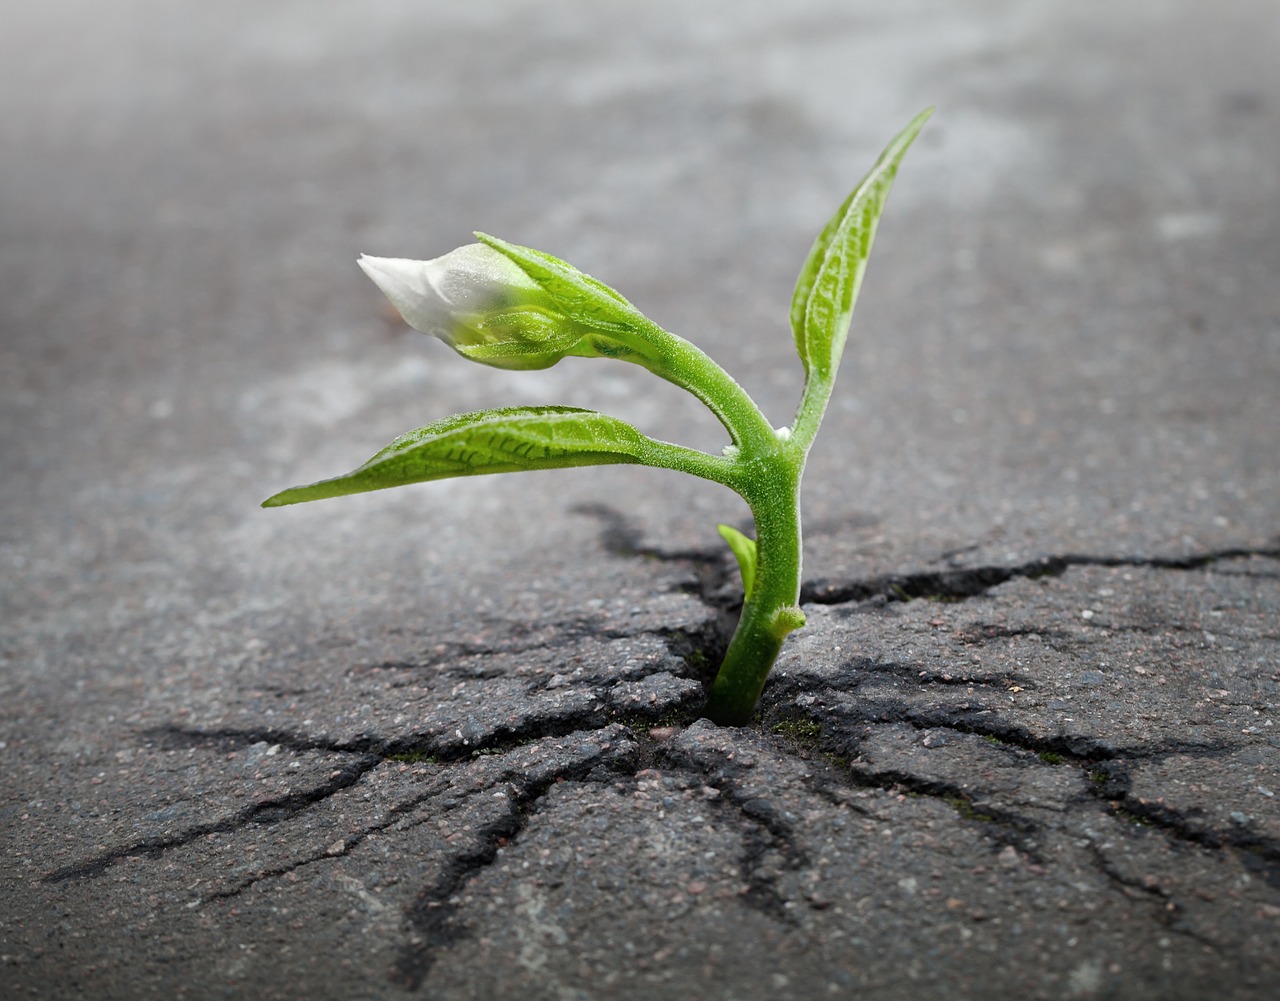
column 480, row 303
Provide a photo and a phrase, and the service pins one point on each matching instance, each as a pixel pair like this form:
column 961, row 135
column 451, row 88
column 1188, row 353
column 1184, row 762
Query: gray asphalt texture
column 444, row 742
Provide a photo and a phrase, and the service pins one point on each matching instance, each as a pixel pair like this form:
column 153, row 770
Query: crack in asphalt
column 1007, row 827
column 620, row 536
column 1077, row 748
column 766, row 833
column 349, row 843
column 1096, row 758
column 1113, row 787
column 1167, row 909
column 267, row 812
column 1058, row 640
column 962, row 801
column 1106, row 767
column 1002, row 825
column 970, row 582
column 432, row 917
column 367, row 754
column 439, row 748
column 769, row 840
column 443, row 659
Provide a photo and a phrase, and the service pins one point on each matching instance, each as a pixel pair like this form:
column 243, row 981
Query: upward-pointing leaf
column 822, row 305
column 487, row 441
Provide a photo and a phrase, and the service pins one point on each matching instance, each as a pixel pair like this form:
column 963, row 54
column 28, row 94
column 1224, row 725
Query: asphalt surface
column 444, row 742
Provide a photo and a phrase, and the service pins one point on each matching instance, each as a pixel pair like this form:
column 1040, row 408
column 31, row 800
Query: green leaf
column 744, row 549
column 822, row 305
column 487, row 441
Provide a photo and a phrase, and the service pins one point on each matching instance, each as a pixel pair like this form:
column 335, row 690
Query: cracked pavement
column 445, row 742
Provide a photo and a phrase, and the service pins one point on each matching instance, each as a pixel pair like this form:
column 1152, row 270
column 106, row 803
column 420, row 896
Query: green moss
column 804, row 731
column 967, row 810
column 1050, row 758
column 1133, row 818
column 697, row 661
column 415, row 757
column 840, row 761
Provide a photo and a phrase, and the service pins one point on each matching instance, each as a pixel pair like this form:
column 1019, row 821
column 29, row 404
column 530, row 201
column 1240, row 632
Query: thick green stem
column 772, row 610
column 813, row 405
column 686, row 365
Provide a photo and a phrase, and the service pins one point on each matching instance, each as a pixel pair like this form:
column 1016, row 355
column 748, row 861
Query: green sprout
column 513, row 307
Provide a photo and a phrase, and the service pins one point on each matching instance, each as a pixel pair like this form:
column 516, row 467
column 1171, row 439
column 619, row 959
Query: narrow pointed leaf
column 744, row 549
column 487, row 441
column 822, row 305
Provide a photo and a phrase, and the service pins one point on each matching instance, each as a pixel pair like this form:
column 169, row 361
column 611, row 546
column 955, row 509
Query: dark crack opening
column 271, row 811
column 433, row 917
column 970, row 582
